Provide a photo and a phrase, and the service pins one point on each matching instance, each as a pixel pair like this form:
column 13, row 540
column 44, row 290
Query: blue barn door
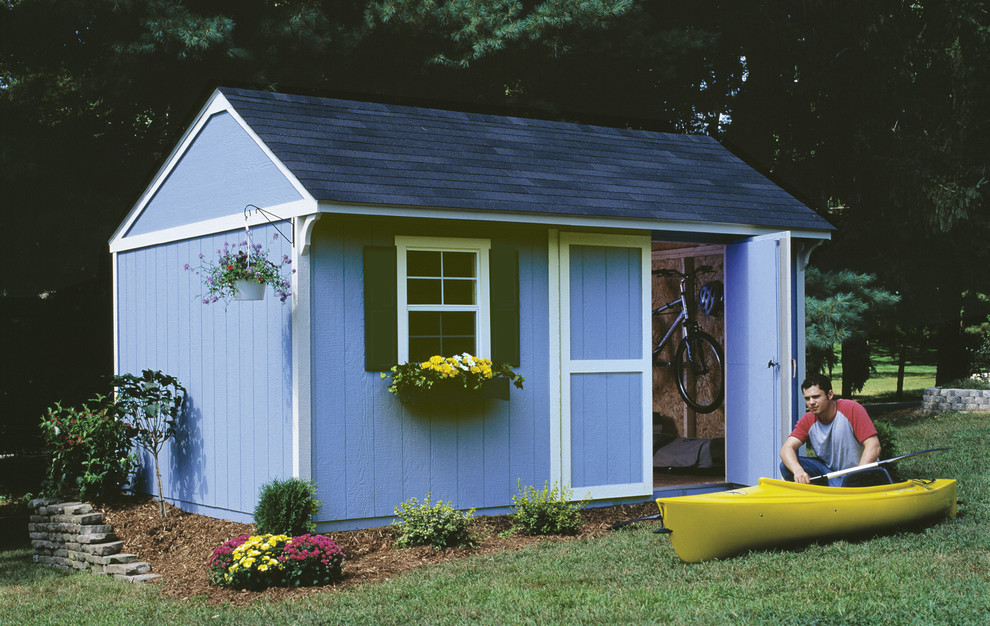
column 759, row 350
column 605, row 375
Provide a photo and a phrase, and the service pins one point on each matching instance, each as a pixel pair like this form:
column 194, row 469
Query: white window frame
column 481, row 248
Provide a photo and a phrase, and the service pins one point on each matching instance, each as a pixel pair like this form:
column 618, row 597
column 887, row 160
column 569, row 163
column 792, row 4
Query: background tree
column 871, row 112
column 94, row 94
column 152, row 403
column 844, row 308
column 868, row 110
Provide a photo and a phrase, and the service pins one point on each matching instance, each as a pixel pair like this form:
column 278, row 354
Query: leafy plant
column 311, row 560
column 286, row 506
column 89, row 450
column 548, row 511
column 243, row 261
column 153, row 402
column 461, row 370
column 431, row 524
column 248, row 562
column 887, row 434
column 980, row 363
column 267, row 560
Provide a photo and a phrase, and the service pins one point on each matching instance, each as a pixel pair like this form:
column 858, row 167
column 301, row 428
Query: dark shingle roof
column 367, row 153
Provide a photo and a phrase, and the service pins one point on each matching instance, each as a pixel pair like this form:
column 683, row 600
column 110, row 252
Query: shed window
column 443, row 303
column 427, row 296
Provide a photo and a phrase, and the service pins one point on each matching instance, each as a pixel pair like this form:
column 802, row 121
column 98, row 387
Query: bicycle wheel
column 700, row 372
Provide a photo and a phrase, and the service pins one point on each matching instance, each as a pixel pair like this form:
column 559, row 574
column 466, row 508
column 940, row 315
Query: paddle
column 850, row 470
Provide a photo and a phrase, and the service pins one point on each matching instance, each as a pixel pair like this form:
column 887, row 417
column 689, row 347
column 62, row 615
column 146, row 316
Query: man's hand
column 788, row 454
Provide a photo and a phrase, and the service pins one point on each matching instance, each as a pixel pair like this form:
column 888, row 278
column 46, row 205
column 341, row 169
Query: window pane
column 458, row 345
column 458, row 323
column 423, row 291
column 422, row 348
column 460, row 264
column 425, row 323
column 423, row 263
column 458, row 291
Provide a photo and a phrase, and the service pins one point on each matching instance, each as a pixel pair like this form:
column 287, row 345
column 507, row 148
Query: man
column 840, row 432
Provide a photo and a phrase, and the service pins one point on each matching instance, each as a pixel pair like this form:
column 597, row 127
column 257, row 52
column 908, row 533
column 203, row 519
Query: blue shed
column 563, row 224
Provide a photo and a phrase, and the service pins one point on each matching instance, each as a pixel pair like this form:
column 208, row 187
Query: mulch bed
column 178, row 548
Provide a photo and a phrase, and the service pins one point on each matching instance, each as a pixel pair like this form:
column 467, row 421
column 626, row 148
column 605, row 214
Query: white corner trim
column 116, row 308
column 557, row 467
column 302, row 355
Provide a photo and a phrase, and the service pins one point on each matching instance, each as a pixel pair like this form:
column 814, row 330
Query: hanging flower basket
column 459, row 378
column 242, row 272
column 249, row 290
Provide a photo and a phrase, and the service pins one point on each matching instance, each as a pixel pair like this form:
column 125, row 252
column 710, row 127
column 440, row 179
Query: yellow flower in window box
column 458, row 378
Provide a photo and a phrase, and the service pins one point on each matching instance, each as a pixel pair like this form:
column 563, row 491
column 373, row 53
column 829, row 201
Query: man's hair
column 820, row 380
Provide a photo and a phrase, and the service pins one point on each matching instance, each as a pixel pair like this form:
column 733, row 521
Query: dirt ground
column 179, row 548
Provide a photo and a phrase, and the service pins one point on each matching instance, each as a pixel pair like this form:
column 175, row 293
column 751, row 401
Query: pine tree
column 842, row 308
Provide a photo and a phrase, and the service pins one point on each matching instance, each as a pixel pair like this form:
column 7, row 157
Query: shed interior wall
column 672, row 416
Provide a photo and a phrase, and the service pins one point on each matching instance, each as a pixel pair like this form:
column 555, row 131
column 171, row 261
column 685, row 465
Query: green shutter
column 504, row 280
column 381, row 344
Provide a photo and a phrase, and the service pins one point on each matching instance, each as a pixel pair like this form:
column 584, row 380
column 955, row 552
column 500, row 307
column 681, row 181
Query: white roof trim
column 285, row 211
column 569, row 221
column 217, row 104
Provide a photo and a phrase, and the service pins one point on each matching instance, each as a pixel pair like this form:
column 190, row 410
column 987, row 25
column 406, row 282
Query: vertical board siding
column 235, row 364
column 606, row 429
column 222, row 171
column 604, row 315
column 605, row 303
column 372, row 452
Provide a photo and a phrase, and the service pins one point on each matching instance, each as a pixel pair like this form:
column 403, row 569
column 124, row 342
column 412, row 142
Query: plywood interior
column 671, row 415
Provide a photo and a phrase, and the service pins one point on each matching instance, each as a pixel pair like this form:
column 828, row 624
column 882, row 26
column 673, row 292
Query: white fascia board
column 217, row 104
column 287, row 211
column 565, row 221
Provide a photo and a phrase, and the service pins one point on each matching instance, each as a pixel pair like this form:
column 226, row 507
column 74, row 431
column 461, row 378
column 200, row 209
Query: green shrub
column 548, row 511
column 438, row 525
column 967, row 383
column 89, row 450
column 286, row 507
column 887, row 434
column 261, row 561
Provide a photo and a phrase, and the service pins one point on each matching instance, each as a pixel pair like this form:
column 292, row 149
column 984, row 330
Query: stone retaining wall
column 938, row 399
column 70, row 535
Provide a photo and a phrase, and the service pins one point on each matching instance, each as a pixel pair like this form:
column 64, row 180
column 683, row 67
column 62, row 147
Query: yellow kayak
column 775, row 512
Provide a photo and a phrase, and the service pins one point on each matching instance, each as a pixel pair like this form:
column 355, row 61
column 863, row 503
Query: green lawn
column 937, row 575
column 919, row 374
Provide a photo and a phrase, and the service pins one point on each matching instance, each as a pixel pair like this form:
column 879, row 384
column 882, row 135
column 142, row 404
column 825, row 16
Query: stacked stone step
column 939, row 399
column 71, row 536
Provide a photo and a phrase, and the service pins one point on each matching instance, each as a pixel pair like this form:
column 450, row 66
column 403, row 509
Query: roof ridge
column 378, row 153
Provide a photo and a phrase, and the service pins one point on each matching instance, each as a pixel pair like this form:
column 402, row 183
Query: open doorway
column 688, row 444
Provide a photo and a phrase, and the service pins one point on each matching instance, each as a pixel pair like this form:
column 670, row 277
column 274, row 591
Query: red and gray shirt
column 839, row 444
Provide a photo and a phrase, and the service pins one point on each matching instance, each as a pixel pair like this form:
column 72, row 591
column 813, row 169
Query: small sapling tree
column 153, row 401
